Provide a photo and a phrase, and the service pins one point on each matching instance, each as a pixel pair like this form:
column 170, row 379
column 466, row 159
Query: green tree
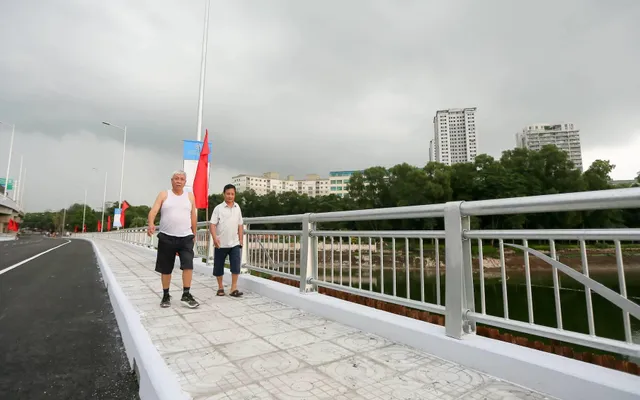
column 518, row 172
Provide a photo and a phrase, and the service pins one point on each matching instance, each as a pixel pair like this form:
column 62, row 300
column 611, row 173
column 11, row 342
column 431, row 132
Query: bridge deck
column 257, row 348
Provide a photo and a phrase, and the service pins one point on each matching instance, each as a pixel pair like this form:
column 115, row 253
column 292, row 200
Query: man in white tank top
column 178, row 225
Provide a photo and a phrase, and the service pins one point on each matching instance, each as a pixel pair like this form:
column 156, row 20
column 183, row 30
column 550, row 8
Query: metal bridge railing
column 446, row 272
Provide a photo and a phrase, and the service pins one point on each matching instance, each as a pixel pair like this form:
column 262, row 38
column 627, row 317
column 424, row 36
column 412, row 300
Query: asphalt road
column 58, row 335
column 14, row 251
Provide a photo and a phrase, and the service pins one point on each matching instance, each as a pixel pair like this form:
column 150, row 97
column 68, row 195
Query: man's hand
column 216, row 242
column 240, row 241
column 151, row 226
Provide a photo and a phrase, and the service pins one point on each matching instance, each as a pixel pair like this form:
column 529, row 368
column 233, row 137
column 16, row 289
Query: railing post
column 468, row 301
column 244, row 256
column 455, row 258
column 306, row 256
column 210, row 246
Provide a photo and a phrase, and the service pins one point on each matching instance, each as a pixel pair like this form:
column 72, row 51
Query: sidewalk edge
column 155, row 379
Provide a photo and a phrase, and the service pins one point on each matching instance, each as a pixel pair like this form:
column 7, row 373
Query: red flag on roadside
column 75, row 229
column 84, row 228
column 201, row 179
column 13, row 225
column 124, row 207
column 99, row 225
column 108, row 223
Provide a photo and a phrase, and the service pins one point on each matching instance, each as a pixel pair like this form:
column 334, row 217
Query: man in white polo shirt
column 226, row 229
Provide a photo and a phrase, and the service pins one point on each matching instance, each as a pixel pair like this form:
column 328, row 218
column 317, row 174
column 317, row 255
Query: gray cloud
column 302, row 87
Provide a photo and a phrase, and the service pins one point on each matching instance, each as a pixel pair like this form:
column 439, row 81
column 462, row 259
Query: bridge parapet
column 10, row 204
column 9, row 209
column 461, row 273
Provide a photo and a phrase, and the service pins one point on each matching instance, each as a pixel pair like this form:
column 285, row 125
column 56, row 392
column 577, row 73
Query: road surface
column 58, row 335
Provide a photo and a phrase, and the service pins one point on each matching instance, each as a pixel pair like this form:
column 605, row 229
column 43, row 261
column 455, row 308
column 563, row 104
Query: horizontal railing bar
column 271, row 272
column 432, row 308
column 423, row 211
column 593, row 200
column 381, row 234
column 558, row 234
column 273, row 232
column 275, row 219
column 582, row 339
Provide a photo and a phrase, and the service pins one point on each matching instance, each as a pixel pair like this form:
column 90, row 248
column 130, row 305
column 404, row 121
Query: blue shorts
column 220, row 256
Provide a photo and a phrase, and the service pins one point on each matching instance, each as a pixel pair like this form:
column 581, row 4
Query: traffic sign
column 2, row 183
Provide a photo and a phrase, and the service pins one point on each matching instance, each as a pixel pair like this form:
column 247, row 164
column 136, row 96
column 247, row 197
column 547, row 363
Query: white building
column 340, row 181
column 455, row 139
column 564, row 136
column 313, row 185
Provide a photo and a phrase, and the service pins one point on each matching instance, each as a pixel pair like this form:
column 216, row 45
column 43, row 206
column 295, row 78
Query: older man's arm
column 151, row 218
column 194, row 215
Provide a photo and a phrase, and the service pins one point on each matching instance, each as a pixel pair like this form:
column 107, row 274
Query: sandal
column 235, row 293
column 220, row 292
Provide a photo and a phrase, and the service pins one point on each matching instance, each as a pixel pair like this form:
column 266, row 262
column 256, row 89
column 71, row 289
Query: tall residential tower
column 455, row 139
column 566, row 137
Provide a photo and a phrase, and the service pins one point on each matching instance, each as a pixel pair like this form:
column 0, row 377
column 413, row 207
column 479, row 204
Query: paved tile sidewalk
column 257, row 348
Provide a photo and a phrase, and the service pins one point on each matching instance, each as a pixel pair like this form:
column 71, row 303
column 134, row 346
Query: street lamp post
column 124, row 147
column 104, row 199
column 6, row 183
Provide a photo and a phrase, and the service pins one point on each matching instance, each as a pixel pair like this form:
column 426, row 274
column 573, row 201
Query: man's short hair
column 179, row 172
column 229, row 186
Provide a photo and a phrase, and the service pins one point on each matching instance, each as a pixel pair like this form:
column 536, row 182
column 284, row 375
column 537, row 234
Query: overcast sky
column 301, row 87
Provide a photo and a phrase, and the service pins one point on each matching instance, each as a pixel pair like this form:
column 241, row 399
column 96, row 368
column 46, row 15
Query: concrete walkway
column 257, row 348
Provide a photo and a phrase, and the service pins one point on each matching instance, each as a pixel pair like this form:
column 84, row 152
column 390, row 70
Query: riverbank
column 597, row 260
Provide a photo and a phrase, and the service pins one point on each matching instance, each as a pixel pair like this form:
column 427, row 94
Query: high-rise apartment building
column 455, row 137
column 566, row 137
column 313, row 185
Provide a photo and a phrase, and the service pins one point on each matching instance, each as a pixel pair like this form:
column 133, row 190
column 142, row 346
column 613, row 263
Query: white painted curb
column 156, row 380
column 561, row 377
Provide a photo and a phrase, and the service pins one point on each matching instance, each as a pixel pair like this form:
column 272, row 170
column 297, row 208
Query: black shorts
column 168, row 246
column 220, row 256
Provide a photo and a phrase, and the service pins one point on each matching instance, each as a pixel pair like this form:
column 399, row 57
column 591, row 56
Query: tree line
column 518, row 172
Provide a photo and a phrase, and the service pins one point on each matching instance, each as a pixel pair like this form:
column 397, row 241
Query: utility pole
column 64, row 217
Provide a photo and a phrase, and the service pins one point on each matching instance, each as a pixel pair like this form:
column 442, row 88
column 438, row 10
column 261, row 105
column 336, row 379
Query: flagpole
column 22, row 187
column 84, row 209
column 207, row 215
column 208, row 178
column 16, row 191
column 203, row 68
column 6, row 182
